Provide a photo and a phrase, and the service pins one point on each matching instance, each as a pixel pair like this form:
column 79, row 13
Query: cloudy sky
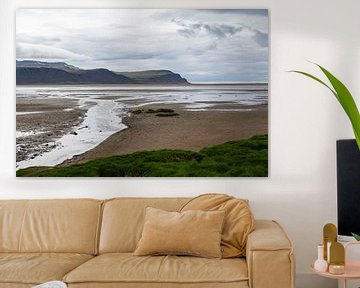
column 201, row 45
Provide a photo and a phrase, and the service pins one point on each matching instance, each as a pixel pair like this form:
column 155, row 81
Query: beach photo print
column 142, row 92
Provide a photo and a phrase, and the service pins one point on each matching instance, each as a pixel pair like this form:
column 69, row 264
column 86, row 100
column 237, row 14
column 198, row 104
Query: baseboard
column 310, row 280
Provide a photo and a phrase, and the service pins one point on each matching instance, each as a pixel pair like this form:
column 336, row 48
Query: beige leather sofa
column 89, row 243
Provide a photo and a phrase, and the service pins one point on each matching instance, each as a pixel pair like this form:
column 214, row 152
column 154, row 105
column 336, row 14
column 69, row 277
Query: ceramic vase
column 320, row 264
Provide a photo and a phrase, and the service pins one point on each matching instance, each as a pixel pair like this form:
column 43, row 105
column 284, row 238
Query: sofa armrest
column 269, row 256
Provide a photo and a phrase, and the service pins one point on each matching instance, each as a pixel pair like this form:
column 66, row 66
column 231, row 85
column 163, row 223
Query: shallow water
column 246, row 94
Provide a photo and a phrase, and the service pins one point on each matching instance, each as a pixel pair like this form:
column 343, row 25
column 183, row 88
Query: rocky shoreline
column 40, row 123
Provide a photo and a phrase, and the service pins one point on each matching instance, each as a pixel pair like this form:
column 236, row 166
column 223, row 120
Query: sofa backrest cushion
column 239, row 220
column 64, row 226
column 123, row 220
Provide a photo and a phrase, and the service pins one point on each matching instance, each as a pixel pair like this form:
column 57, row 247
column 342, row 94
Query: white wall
column 305, row 120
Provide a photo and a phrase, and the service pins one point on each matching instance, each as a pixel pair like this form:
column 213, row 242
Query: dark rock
column 138, row 111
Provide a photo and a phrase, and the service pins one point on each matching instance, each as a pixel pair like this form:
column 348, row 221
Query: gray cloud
column 217, row 30
column 256, row 12
column 222, row 31
column 187, row 33
column 134, row 56
column 261, row 38
column 119, row 26
column 39, row 51
column 36, row 39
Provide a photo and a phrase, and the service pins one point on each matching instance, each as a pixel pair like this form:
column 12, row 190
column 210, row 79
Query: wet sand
column 44, row 121
column 190, row 130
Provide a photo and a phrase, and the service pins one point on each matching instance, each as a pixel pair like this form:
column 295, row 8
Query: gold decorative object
column 337, row 258
column 336, row 269
column 330, row 236
column 337, row 254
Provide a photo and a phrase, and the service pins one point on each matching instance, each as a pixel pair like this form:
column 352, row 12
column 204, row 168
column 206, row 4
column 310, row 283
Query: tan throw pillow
column 196, row 233
column 239, row 220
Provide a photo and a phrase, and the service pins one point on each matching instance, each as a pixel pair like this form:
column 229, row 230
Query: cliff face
column 37, row 72
column 155, row 77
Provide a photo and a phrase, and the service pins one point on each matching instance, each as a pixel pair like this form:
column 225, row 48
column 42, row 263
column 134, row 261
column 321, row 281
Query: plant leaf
column 344, row 97
column 356, row 236
column 316, row 79
column 347, row 102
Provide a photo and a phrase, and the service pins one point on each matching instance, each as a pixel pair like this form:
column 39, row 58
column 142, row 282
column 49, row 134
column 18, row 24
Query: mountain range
column 38, row 72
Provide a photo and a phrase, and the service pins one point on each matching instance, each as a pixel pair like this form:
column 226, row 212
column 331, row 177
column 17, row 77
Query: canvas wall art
column 142, row 92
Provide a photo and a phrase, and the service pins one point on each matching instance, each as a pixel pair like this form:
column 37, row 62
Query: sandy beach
column 190, row 130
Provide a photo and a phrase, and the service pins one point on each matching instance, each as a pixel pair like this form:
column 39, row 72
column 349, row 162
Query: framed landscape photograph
column 142, row 92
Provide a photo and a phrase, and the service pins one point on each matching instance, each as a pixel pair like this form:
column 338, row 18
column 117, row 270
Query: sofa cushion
column 239, row 220
column 36, row 268
column 194, row 232
column 62, row 226
column 126, row 268
column 123, row 220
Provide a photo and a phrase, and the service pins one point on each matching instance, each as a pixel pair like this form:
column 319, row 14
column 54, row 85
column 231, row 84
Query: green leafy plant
column 356, row 236
column 344, row 97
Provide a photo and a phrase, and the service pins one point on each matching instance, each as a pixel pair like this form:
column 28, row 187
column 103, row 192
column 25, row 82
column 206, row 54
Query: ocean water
column 110, row 103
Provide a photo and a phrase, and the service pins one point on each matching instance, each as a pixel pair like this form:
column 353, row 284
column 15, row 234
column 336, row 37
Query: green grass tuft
column 170, row 114
column 164, row 110
column 243, row 158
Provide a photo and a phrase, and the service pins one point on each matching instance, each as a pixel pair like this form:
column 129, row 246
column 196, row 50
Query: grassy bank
column 243, row 158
